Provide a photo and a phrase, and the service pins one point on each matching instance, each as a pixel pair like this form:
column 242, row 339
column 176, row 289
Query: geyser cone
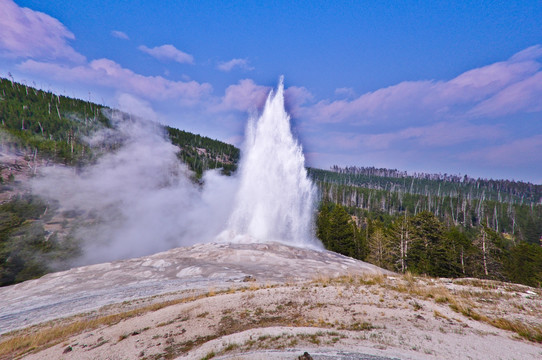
column 276, row 199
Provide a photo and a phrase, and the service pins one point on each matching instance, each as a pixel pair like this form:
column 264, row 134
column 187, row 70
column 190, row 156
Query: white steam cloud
column 140, row 197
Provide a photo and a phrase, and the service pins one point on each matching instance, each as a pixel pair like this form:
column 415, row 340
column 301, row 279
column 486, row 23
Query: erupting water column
column 276, row 200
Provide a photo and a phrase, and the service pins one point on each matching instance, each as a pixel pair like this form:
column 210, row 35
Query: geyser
column 275, row 200
column 138, row 199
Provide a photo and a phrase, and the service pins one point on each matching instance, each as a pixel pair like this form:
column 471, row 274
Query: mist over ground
column 139, row 198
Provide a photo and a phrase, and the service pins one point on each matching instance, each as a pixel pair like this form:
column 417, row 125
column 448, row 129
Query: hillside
column 38, row 128
column 450, row 228
column 509, row 191
column 55, row 127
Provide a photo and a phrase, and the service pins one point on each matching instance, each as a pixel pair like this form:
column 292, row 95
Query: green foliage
column 341, row 236
column 51, row 125
column 424, row 244
column 380, row 248
column 521, row 220
column 202, row 153
column 524, row 264
column 338, row 232
column 430, row 251
column 440, row 225
column 25, row 247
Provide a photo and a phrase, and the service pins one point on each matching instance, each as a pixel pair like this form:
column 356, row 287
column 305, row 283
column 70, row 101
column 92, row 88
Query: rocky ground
column 264, row 301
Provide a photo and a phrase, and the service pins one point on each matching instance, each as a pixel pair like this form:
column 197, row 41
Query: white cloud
column 243, row 96
column 295, row 97
column 442, row 134
column 523, row 96
column 498, row 89
column 32, row 34
column 168, row 52
column 105, row 72
column 120, row 35
column 234, row 63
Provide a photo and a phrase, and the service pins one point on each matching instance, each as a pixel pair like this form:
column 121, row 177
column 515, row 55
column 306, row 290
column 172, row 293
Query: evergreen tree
column 323, row 224
column 362, row 249
column 430, row 252
column 380, row 250
column 524, row 265
column 341, row 237
column 465, row 252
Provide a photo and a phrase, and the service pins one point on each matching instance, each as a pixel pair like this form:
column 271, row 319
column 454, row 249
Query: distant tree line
column 516, row 192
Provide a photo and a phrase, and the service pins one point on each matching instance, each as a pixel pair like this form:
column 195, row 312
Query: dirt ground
column 399, row 317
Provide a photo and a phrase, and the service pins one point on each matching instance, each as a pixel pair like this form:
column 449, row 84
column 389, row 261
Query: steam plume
column 139, row 198
column 276, row 199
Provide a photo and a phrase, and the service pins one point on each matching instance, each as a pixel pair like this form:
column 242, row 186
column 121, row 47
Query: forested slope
column 55, row 126
column 38, row 126
column 450, row 229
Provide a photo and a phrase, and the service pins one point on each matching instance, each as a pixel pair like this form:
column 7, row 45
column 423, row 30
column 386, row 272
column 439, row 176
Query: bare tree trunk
column 462, row 262
column 484, row 252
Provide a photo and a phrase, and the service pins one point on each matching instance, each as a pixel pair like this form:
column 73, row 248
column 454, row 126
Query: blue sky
column 436, row 86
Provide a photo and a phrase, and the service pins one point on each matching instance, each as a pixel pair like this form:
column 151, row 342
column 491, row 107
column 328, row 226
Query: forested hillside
column 515, row 192
column 46, row 124
column 202, row 153
column 55, row 126
column 449, row 229
column 39, row 126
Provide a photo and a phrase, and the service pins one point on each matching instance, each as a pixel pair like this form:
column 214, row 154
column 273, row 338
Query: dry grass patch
column 42, row 336
column 464, row 301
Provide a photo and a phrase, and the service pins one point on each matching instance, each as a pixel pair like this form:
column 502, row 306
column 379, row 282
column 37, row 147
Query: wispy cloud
column 105, row 72
column 442, row 134
column 168, row 52
column 32, row 34
column 246, row 95
column 345, row 92
column 234, row 63
column 519, row 152
column 120, row 35
column 296, row 97
column 522, row 96
column 494, row 90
